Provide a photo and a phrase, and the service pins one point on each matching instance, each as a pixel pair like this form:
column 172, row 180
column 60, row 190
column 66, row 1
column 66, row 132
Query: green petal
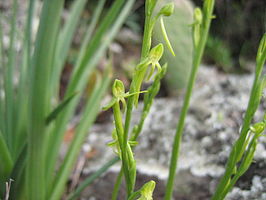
column 110, row 104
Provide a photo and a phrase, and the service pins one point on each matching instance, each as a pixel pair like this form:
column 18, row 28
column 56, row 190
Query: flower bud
column 197, row 15
column 118, row 88
column 156, row 53
column 167, row 10
column 257, row 128
column 262, row 48
column 147, row 190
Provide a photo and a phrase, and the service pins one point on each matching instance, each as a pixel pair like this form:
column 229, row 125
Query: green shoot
column 242, row 153
column 200, row 33
column 149, row 58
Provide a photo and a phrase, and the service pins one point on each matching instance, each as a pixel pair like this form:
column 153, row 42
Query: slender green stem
column 120, row 132
column 146, row 45
column 198, row 52
column 117, row 184
column 239, row 146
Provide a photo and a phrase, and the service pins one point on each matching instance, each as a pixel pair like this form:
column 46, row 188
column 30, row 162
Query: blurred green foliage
column 239, row 24
column 218, row 53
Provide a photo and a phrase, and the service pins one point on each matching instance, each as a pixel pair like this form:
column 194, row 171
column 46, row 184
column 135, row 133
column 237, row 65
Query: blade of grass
column 6, row 163
column 40, row 96
column 22, row 99
column 55, row 140
column 97, row 41
column 65, row 39
column 2, row 64
column 18, row 174
column 59, row 109
column 75, row 194
column 79, row 79
column 8, row 81
column 117, row 185
column 89, row 32
column 89, row 115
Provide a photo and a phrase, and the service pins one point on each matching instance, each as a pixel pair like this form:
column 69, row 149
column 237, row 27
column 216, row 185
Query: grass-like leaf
column 40, row 97
column 59, row 109
column 91, row 110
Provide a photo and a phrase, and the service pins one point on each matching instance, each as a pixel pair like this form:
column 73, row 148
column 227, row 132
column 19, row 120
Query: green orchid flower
column 257, row 128
column 153, row 61
column 198, row 18
column 147, row 191
column 119, row 94
column 115, row 144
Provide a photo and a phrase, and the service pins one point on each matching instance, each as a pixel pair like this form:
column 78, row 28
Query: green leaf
column 8, row 80
column 88, row 117
column 55, row 139
column 110, row 104
column 59, row 109
column 40, row 97
column 94, row 51
column 6, row 162
column 65, row 39
column 18, row 174
column 84, row 184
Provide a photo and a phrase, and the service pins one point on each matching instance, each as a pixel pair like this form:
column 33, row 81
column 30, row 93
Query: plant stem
column 239, row 147
column 146, row 45
column 198, row 52
column 117, row 184
column 120, row 133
